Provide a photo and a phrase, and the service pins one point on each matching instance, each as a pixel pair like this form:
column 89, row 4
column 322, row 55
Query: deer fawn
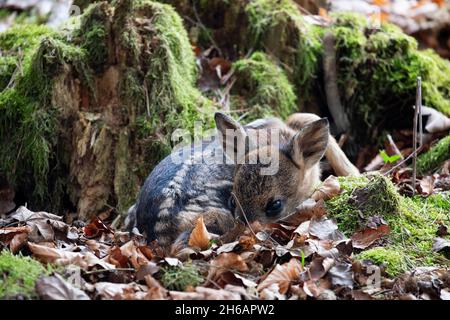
column 176, row 193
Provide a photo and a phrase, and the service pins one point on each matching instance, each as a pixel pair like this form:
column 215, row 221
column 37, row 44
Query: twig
column 416, row 149
column 417, row 116
column 243, row 213
column 109, row 270
column 331, row 88
column 394, row 147
column 403, row 162
column 248, row 223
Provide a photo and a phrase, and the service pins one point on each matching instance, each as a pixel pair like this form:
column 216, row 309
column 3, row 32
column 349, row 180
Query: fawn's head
column 267, row 195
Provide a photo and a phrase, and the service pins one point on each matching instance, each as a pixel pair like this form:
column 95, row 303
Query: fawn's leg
column 334, row 154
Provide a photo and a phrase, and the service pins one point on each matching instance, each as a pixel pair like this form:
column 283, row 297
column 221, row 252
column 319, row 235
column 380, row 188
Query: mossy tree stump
column 93, row 107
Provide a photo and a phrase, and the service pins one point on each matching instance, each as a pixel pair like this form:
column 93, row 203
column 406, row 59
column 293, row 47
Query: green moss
column 392, row 259
column 277, row 26
column 377, row 71
column 436, row 156
column 28, row 119
column 16, row 44
column 366, row 196
column 265, row 86
column 19, row 275
column 179, row 278
column 93, row 34
column 413, row 221
column 174, row 102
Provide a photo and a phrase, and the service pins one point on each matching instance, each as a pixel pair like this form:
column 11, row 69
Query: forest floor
column 382, row 235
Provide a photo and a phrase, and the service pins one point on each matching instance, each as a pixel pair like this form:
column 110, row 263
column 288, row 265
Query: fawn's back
column 203, row 183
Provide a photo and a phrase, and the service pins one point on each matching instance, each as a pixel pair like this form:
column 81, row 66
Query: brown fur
column 175, row 195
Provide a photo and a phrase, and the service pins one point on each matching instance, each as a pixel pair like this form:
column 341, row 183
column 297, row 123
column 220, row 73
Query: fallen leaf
column 228, row 261
column 18, row 241
column 202, row 293
column 96, row 228
column 426, row 185
column 246, row 242
column 307, row 210
column 155, row 290
column 145, row 270
column 173, row 262
column 135, row 256
column 8, row 233
column 327, row 190
column 322, row 228
column 341, row 274
column 57, row 288
column 41, row 224
column 125, row 291
column 227, row 247
column 283, row 276
column 199, row 237
column 117, row 258
column 303, row 228
column 364, row 238
column 316, row 288
column 319, row 267
column 84, row 260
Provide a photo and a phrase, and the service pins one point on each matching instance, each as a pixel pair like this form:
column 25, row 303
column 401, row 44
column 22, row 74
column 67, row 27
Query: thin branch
column 243, row 213
column 417, row 117
column 416, row 149
column 394, row 147
column 109, row 270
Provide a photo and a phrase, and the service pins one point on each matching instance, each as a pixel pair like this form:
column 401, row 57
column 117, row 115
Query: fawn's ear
column 232, row 135
column 308, row 146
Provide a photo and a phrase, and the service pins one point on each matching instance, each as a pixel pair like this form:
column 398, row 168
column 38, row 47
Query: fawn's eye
column 274, row 208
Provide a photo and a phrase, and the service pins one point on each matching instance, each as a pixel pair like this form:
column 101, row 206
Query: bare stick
column 417, row 115
column 394, row 146
column 416, row 149
column 403, row 162
column 331, row 87
column 243, row 213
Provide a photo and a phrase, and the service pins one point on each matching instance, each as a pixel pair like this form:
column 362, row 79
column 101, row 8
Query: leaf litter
column 302, row 256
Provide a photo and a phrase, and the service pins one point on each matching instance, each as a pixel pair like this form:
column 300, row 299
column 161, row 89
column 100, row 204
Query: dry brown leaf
column 117, row 258
column 136, row 257
column 364, row 238
column 199, row 237
column 155, row 290
column 19, row 240
column 56, row 288
column 227, row 247
column 125, row 291
column 202, row 293
column 327, row 190
column 41, row 224
column 283, row 276
column 319, row 267
column 306, row 211
column 323, row 229
column 247, row 242
column 84, row 260
column 8, row 233
column 426, row 185
column 228, row 261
